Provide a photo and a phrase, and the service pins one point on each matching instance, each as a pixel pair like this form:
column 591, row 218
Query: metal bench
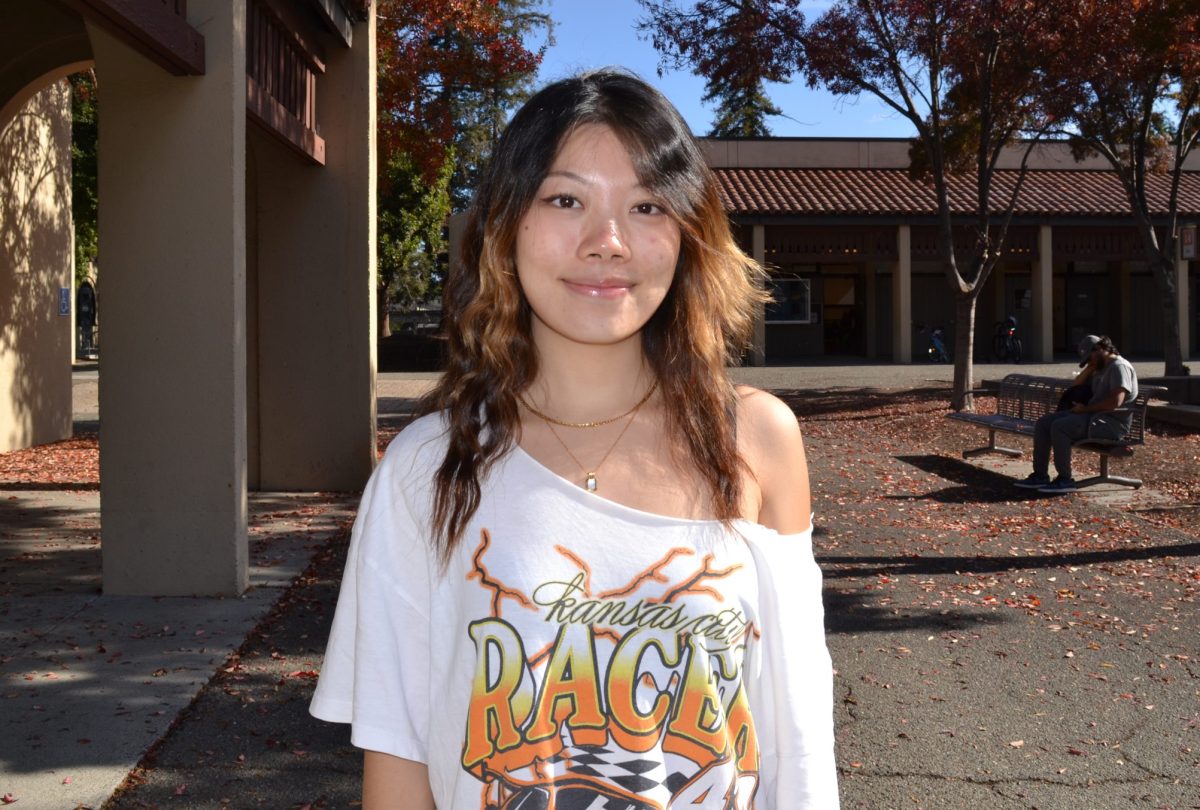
column 1022, row 398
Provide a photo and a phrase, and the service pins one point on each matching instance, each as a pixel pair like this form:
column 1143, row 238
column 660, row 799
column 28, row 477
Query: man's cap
column 1085, row 348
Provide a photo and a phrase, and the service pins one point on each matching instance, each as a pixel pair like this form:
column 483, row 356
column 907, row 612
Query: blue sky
column 595, row 33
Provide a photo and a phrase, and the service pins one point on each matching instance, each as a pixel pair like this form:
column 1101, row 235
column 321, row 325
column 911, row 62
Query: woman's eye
column 564, row 201
column 648, row 208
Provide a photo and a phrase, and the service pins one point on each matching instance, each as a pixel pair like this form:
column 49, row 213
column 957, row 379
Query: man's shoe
column 1034, row 481
column 1061, row 486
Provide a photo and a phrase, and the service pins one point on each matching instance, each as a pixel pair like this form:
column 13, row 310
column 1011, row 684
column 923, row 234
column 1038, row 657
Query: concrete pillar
column 869, row 307
column 314, row 273
column 902, row 297
column 172, row 242
column 37, row 259
column 1183, row 311
column 1041, row 330
column 758, row 347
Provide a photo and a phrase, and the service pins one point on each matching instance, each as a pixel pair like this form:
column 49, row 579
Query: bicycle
column 1006, row 345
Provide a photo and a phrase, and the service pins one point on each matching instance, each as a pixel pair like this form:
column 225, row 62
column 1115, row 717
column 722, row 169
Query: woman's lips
column 606, row 288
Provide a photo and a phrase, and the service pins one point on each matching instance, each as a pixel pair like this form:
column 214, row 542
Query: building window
column 791, row 301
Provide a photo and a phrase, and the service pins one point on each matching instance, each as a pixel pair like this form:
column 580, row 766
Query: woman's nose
column 606, row 240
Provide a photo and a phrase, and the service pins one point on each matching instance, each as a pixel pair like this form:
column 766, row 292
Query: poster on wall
column 1187, row 242
column 64, row 300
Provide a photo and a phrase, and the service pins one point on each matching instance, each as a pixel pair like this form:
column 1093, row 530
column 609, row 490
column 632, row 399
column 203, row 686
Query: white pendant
column 590, row 483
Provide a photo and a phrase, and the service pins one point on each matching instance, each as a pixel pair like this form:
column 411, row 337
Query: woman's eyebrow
column 581, row 179
column 569, row 175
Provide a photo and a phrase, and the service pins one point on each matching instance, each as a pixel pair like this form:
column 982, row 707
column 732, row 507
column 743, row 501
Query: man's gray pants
column 1061, row 429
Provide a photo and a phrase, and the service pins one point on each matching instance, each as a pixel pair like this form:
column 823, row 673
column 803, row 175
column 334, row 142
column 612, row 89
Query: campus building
column 236, row 253
column 850, row 241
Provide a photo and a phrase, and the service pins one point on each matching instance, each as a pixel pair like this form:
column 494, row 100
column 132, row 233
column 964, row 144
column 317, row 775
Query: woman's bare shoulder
column 764, row 419
column 770, row 442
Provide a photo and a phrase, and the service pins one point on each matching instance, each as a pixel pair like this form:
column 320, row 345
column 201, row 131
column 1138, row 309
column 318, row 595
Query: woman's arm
column 392, row 783
column 774, row 449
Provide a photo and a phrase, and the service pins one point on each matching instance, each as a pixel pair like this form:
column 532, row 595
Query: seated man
column 1114, row 382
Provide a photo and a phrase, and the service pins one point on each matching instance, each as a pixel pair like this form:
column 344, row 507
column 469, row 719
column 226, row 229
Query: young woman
column 584, row 579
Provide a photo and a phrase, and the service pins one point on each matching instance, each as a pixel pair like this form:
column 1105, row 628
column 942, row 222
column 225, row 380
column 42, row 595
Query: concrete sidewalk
column 90, row 682
column 945, row 700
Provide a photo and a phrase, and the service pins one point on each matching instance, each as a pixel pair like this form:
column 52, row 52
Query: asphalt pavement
column 1033, row 672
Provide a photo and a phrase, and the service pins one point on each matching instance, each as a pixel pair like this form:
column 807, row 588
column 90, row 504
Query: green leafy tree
column 411, row 242
column 742, row 113
column 737, row 46
column 84, row 136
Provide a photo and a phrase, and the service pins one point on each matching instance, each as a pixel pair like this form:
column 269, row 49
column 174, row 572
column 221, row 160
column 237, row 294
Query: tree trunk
column 1164, row 269
column 964, row 349
column 382, row 310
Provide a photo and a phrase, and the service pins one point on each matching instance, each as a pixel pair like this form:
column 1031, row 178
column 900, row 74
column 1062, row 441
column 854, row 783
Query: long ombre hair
column 702, row 326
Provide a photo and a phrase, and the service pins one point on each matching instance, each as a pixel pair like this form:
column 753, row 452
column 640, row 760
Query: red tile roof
column 883, row 192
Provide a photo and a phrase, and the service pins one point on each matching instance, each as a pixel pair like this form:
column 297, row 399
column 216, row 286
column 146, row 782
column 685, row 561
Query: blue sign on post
column 64, row 300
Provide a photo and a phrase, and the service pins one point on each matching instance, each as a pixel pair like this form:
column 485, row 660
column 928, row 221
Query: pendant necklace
column 590, row 482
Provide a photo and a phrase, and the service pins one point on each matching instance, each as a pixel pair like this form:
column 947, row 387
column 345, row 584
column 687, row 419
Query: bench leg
column 992, row 447
column 1105, row 478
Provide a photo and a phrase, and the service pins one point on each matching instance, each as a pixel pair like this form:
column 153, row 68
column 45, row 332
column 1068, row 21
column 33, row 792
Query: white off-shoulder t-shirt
column 579, row 654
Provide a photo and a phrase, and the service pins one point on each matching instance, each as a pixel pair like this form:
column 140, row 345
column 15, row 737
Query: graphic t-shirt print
column 623, row 695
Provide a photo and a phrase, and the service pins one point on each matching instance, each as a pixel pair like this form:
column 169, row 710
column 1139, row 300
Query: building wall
column 36, row 264
column 312, row 319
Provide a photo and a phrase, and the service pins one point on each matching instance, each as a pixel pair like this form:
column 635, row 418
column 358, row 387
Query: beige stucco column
column 313, row 268
column 37, row 260
column 758, row 347
column 1042, row 329
column 1182, row 300
column 172, row 242
column 902, row 297
column 870, row 306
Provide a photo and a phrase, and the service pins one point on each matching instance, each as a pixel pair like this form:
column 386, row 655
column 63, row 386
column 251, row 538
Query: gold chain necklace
column 590, row 482
column 551, row 420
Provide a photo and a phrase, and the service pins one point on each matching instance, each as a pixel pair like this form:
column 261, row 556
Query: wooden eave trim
column 275, row 119
column 334, row 17
column 292, row 27
column 148, row 27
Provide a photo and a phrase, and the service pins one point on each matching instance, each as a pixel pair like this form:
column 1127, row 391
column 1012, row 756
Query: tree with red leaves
column 1131, row 93
column 439, row 60
column 449, row 73
column 968, row 75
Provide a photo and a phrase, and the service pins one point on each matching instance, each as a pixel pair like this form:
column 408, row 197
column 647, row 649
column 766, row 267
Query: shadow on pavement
column 835, row 567
column 975, row 484
column 57, row 486
column 849, row 613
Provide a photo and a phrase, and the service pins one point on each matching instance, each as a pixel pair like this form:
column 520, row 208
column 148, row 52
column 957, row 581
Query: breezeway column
column 172, row 391
column 314, row 268
column 902, row 297
column 758, row 349
column 1042, row 328
column 1182, row 309
column 871, row 303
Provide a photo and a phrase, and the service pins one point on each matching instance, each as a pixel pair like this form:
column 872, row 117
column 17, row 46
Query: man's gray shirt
column 1118, row 373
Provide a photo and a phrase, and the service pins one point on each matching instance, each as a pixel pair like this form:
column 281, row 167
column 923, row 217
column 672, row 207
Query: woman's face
column 596, row 251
